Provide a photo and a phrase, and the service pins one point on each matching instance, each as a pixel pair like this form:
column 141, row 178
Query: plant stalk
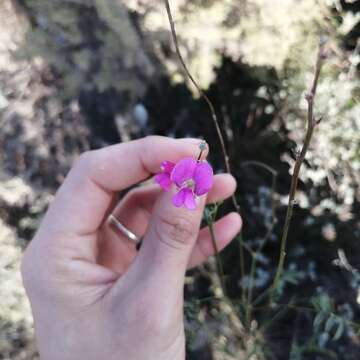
column 215, row 122
column 311, row 124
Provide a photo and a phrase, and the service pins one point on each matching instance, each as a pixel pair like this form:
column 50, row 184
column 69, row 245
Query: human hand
column 93, row 295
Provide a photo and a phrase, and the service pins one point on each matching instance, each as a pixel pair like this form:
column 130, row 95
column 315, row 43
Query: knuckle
column 85, row 159
column 133, row 195
column 132, row 201
column 179, row 230
column 149, row 142
column 152, row 139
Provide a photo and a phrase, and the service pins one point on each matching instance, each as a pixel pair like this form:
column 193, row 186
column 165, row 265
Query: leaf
column 331, row 322
column 319, row 319
column 340, row 329
column 316, row 303
column 325, row 303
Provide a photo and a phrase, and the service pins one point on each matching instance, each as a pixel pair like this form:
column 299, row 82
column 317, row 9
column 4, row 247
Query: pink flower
column 163, row 179
column 193, row 178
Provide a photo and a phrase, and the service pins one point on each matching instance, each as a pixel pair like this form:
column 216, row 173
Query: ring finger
column 134, row 211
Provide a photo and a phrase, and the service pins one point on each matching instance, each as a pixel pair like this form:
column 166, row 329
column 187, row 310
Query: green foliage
column 326, row 320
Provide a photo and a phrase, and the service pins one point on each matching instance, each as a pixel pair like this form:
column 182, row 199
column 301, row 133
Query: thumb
column 170, row 239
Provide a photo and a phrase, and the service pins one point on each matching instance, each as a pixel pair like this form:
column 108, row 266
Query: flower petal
column 179, row 198
column 203, row 177
column 163, row 180
column 190, row 200
column 183, row 170
column 167, row 166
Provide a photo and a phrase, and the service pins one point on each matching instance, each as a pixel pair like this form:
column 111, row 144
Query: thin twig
column 260, row 164
column 270, row 229
column 311, row 124
column 215, row 121
column 233, row 315
column 203, row 95
column 219, row 267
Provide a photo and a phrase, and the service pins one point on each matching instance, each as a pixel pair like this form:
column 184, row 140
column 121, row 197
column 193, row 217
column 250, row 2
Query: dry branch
column 203, row 95
column 311, row 124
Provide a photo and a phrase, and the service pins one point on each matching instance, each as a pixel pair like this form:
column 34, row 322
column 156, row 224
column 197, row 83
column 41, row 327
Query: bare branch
column 216, row 124
column 203, row 95
column 311, row 124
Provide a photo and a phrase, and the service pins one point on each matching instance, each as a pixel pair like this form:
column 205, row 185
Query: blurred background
column 81, row 74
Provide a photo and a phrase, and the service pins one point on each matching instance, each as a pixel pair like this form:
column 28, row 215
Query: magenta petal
column 203, row 177
column 179, row 198
column 167, row 166
column 183, row 170
column 190, row 200
column 163, row 180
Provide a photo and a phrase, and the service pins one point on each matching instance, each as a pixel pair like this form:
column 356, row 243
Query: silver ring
column 124, row 230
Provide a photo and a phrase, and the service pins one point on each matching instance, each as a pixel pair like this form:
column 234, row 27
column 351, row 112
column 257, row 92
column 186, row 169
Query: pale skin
column 93, row 295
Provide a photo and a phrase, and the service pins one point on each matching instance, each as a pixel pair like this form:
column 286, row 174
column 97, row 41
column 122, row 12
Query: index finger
column 85, row 195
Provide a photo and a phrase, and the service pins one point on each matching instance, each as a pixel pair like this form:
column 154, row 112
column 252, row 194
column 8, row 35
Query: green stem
column 311, row 123
column 213, row 116
column 250, row 292
column 248, row 306
column 219, row 267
